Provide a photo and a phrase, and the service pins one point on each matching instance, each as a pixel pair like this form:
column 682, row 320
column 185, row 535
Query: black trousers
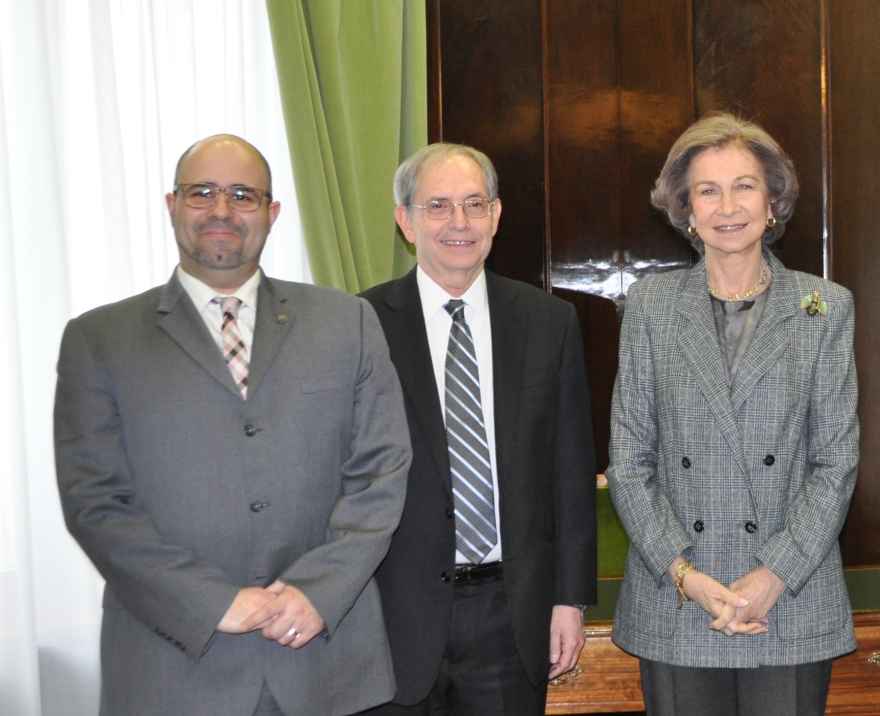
column 481, row 673
column 766, row 691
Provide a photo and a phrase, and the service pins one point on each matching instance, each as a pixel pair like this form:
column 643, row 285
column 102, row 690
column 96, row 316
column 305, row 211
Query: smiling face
column 451, row 251
column 218, row 244
column 729, row 200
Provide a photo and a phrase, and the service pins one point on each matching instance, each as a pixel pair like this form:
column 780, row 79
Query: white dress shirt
column 437, row 325
column 203, row 296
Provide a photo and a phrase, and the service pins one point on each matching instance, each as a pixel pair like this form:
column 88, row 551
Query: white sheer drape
column 98, row 98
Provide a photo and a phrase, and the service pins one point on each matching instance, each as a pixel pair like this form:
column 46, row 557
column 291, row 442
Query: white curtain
column 98, row 98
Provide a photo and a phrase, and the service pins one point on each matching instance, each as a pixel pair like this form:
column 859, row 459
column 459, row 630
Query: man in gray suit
column 232, row 453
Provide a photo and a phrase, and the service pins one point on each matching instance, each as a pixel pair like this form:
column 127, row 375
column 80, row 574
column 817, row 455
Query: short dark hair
column 235, row 138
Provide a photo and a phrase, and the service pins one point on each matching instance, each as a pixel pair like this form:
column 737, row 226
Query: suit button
column 450, row 513
column 250, row 430
column 444, row 577
column 686, row 462
column 751, row 528
column 769, row 460
column 698, row 526
column 259, row 506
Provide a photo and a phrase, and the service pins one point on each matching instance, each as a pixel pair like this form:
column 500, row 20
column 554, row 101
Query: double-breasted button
column 250, row 430
column 686, row 462
column 769, row 460
column 450, row 513
column 751, row 527
column 444, row 577
column 259, row 506
column 698, row 526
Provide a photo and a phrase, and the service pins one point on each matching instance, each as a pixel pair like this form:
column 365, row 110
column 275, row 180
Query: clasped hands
column 281, row 611
column 740, row 608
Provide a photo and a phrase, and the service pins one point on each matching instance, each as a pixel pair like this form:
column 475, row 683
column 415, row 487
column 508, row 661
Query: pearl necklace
column 763, row 281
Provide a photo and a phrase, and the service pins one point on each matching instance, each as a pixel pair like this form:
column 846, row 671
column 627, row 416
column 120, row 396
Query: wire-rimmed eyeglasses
column 240, row 197
column 474, row 207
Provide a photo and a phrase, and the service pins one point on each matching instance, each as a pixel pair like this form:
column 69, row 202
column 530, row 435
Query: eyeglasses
column 475, row 207
column 239, row 196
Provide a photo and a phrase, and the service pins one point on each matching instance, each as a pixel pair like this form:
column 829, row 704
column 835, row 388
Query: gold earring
column 692, row 231
column 771, row 222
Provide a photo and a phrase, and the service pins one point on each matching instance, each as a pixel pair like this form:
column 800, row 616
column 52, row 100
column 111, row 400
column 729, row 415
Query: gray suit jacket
column 760, row 472
column 181, row 493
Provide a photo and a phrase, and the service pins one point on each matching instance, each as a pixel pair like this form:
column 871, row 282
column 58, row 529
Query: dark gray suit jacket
column 546, row 478
column 734, row 476
column 181, row 493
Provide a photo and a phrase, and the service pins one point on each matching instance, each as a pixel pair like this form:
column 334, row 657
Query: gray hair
column 407, row 175
column 244, row 142
column 671, row 192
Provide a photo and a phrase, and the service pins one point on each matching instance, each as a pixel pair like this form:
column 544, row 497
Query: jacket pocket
column 821, row 607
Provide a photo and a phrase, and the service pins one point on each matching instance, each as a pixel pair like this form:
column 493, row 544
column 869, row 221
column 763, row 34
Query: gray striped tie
column 469, row 460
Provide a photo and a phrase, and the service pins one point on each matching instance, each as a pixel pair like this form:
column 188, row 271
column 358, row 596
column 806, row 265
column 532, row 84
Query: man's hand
column 289, row 618
column 246, row 602
column 566, row 639
column 762, row 588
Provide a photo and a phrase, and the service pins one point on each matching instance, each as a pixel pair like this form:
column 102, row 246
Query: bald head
column 231, row 140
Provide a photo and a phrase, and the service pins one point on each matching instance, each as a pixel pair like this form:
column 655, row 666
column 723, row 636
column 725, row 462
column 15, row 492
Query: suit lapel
column 408, row 341
column 698, row 341
column 178, row 317
column 771, row 337
column 275, row 316
column 510, row 331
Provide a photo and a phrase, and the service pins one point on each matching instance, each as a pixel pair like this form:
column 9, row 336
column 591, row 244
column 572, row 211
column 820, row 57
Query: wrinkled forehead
column 450, row 174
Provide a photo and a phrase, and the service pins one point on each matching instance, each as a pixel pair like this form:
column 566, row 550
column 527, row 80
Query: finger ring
column 292, row 632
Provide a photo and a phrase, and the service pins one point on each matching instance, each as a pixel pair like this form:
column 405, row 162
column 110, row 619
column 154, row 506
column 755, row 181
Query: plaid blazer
column 734, row 476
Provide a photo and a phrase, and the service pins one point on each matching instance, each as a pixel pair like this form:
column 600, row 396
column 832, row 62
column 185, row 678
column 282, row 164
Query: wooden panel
column 855, row 180
column 656, row 105
column 583, row 147
column 606, row 679
column 615, row 102
column 855, row 679
column 491, row 97
column 762, row 59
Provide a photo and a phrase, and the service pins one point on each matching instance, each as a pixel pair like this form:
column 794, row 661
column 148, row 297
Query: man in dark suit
column 232, row 454
column 484, row 584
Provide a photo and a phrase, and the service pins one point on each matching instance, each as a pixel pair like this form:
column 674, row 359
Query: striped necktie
column 469, row 461
column 234, row 349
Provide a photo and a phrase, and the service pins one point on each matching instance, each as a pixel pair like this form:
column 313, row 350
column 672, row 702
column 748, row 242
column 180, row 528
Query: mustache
column 224, row 224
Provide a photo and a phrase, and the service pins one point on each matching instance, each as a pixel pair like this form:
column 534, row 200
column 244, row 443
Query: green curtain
column 353, row 88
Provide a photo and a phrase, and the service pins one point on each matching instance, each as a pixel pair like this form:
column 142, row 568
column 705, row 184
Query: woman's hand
column 762, row 588
column 726, row 606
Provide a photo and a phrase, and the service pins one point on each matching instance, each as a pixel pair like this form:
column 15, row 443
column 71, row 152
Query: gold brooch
column 814, row 304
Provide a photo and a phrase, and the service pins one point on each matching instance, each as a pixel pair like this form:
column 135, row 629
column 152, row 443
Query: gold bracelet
column 680, row 571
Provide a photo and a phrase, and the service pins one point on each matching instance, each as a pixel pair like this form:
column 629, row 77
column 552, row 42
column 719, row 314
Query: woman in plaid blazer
column 734, row 446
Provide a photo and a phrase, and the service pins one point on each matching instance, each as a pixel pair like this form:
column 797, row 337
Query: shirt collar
column 202, row 294
column 434, row 297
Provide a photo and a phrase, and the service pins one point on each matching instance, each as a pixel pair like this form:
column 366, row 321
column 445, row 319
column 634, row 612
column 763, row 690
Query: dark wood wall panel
column 762, row 60
column 855, row 181
column 491, row 97
column 582, row 102
column 656, row 104
column 583, row 145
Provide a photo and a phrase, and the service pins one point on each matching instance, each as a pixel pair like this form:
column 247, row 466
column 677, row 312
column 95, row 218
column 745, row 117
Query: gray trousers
column 766, row 691
column 267, row 705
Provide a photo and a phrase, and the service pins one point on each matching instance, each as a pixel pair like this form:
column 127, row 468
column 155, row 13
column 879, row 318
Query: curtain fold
column 353, row 88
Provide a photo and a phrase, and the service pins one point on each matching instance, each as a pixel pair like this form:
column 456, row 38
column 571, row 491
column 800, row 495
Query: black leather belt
column 477, row 573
